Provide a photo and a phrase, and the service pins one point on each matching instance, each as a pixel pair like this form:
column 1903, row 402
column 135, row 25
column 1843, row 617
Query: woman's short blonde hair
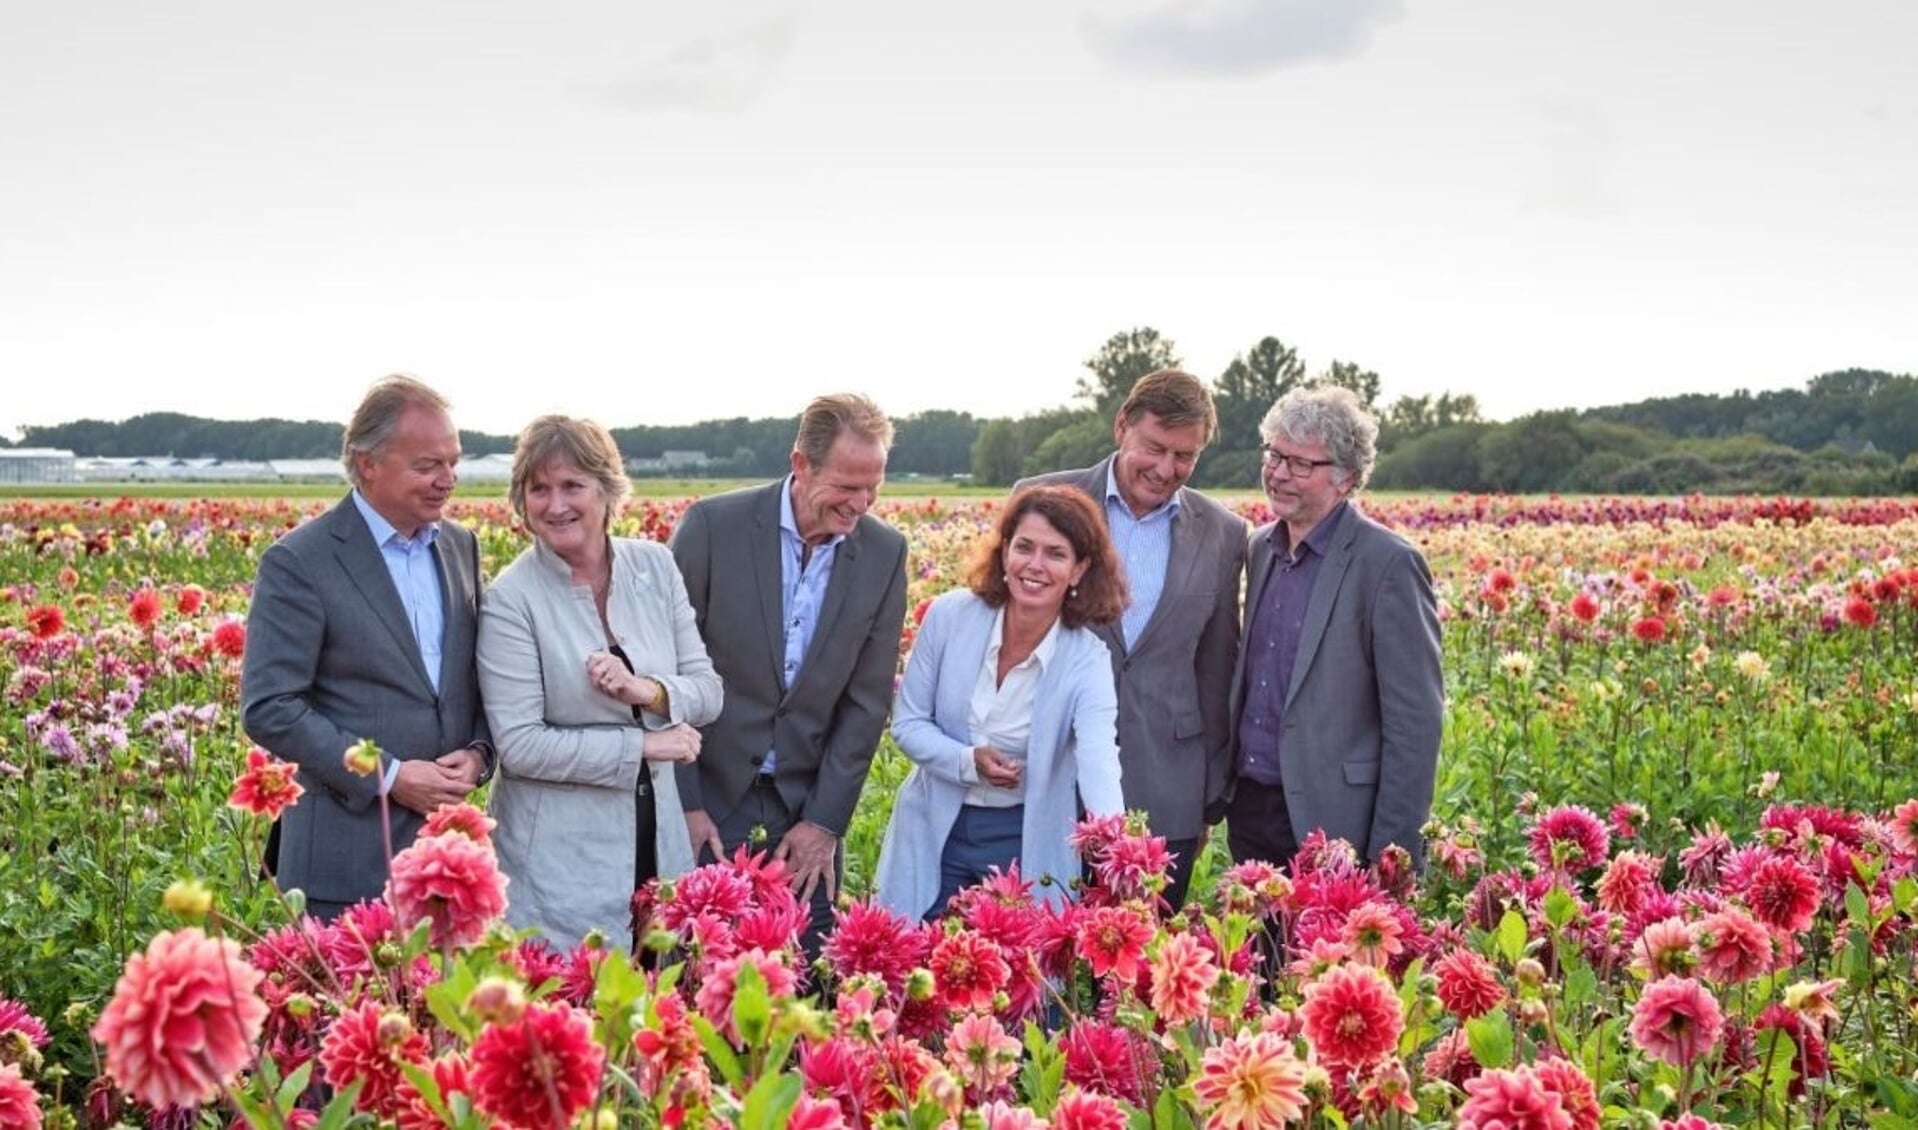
column 583, row 443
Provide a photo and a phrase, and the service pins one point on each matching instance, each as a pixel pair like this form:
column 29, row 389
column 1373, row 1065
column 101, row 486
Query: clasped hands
column 996, row 768
column 609, row 676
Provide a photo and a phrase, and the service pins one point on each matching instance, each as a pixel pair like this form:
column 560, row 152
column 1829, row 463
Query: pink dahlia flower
column 183, row 1020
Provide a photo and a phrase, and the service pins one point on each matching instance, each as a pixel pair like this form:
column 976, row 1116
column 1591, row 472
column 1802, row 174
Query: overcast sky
column 659, row 213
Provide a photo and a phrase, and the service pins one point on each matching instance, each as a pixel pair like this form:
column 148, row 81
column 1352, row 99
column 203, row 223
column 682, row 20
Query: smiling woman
column 594, row 677
column 1008, row 709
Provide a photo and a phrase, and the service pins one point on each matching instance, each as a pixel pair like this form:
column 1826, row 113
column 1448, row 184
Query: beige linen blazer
column 569, row 756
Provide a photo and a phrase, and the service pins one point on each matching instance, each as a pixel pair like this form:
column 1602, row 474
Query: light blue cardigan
column 1072, row 756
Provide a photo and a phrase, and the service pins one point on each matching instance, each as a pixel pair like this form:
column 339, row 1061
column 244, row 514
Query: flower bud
column 1529, row 972
column 386, row 955
column 363, row 758
column 300, row 1006
column 496, row 1000
column 394, row 1030
column 920, row 985
column 1533, row 1011
column 188, row 899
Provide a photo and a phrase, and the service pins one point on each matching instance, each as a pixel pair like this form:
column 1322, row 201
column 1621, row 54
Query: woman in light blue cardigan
column 1008, row 711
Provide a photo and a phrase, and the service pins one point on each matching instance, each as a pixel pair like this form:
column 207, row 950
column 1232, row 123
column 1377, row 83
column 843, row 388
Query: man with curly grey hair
column 1338, row 697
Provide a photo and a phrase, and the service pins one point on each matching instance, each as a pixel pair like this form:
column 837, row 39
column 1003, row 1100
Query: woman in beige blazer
column 594, row 676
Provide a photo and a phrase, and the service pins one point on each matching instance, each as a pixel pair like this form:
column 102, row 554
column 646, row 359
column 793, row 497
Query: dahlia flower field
column 1672, row 878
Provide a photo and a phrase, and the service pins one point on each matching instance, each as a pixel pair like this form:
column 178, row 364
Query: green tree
column 1532, row 453
column 1891, row 416
column 995, row 453
column 1078, row 444
column 1441, row 459
column 1248, row 387
column 936, row 442
column 1122, row 360
column 1364, row 383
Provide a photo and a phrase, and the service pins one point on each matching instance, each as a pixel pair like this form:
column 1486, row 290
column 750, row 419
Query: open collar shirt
column 802, row 593
column 1000, row 713
column 1272, row 644
column 1145, row 545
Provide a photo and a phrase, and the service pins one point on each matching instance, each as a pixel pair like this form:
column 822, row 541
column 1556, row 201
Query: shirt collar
column 790, row 524
column 383, row 530
column 1170, row 507
column 1041, row 655
column 1314, row 541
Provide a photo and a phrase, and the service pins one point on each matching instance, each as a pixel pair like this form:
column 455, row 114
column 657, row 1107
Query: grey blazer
column 1359, row 745
column 1175, row 726
column 569, row 756
column 330, row 659
column 825, row 726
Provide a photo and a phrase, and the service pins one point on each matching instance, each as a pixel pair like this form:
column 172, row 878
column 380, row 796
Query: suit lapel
column 1325, row 593
column 1258, row 570
column 1093, row 483
column 456, row 599
column 360, row 560
column 766, row 544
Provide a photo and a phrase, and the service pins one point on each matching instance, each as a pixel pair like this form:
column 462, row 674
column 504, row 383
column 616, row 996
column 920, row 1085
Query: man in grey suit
column 1338, row 697
column 800, row 595
column 1173, row 650
column 362, row 627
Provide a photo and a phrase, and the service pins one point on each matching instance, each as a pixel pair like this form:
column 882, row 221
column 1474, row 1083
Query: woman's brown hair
column 1100, row 595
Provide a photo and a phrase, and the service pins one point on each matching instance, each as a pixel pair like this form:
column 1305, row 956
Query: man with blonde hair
column 362, row 628
column 800, row 594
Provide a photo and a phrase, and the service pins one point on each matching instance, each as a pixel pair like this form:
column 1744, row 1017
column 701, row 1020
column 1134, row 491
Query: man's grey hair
column 1332, row 415
column 378, row 416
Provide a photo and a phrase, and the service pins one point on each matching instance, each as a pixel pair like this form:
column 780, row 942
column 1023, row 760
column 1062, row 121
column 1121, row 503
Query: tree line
column 1853, row 431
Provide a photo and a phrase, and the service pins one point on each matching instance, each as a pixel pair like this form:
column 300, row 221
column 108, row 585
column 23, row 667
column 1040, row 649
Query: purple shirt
column 1272, row 645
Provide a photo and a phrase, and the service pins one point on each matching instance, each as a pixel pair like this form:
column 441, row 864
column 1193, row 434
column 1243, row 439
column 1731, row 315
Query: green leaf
column 1900, row 1095
column 1044, row 1072
column 339, row 1113
column 1511, row 936
column 1857, row 907
column 752, row 1008
column 718, row 1050
column 1904, row 895
column 1774, row 1052
column 770, row 1102
column 1490, row 1038
column 1581, row 987
column 1169, row 1113
column 1560, row 907
column 446, row 1000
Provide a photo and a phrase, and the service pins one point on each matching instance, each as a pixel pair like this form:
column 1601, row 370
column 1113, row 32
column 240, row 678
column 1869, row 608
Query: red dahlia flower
column 1352, row 1016
column 267, row 787
column 540, row 1071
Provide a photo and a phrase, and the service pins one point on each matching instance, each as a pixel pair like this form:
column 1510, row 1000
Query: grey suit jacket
column 1359, row 745
column 825, row 726
column 1175, row 727
column 330, row 659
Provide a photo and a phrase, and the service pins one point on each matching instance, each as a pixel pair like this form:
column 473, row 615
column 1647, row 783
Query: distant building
column 37, row 465
column 170, row 469
column 679, row 460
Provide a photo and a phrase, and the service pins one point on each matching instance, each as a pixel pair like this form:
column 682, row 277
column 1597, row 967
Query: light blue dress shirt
column 1145, row 545
column 416, row 575
column 802, row 593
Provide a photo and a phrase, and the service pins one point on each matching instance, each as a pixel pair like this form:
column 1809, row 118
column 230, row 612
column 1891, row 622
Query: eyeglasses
column 1298, row 465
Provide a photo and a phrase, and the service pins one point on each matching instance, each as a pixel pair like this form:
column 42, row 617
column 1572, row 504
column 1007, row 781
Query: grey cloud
column 1237, row 37
column 725, row 71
